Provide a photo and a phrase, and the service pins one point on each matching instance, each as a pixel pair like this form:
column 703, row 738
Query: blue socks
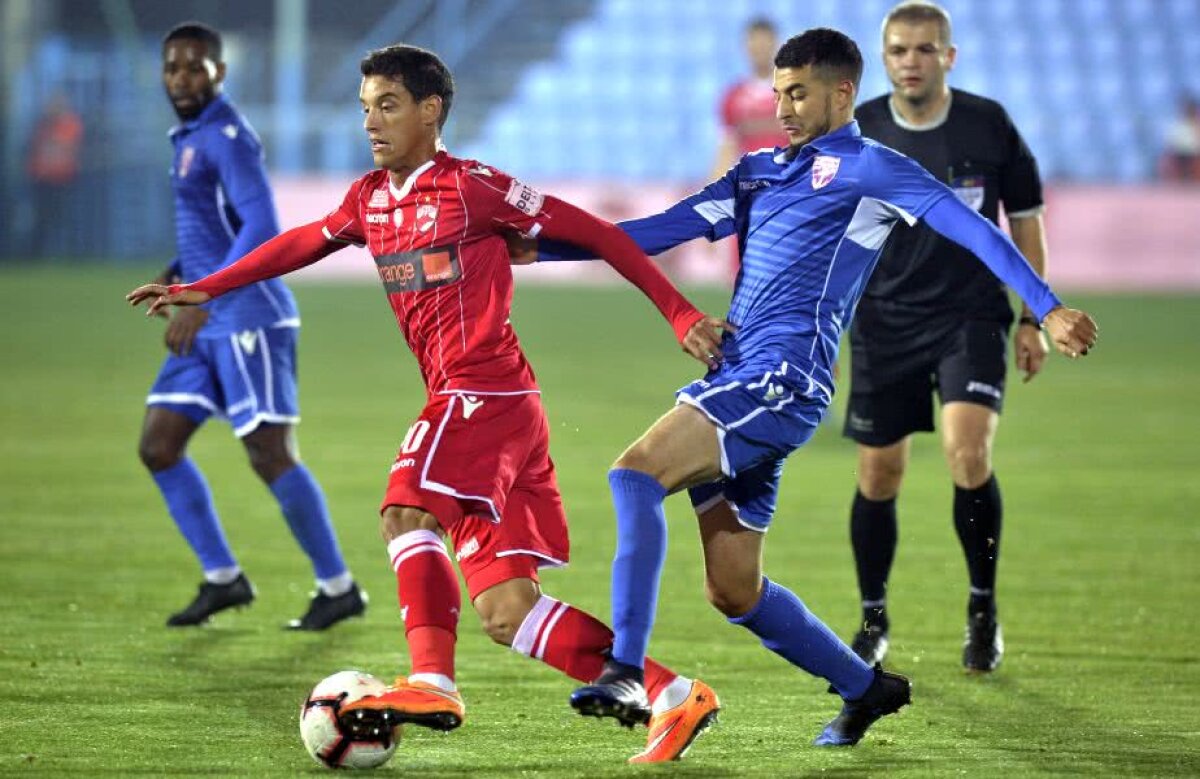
column 641, row 550
column 303, row 506
column 190, row 504
column 790, row 630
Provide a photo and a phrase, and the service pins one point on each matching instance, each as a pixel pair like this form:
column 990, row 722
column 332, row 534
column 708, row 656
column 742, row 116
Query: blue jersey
column 810, row 224
column 223, row 210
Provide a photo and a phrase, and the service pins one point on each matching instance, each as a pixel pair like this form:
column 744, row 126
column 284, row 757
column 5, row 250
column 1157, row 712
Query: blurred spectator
column 53, row 167
column 1181, row 156
column 748, row 105
column 748, row 112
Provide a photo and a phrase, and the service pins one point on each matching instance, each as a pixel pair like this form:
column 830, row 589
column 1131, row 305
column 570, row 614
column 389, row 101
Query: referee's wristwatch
column 1026, row 319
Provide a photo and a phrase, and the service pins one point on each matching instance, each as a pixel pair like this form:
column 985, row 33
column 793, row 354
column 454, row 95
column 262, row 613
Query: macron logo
column 470, row 405
column 248, row 340
column 230, row 130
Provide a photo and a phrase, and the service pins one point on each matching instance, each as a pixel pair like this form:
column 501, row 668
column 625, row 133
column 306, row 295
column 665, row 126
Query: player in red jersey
column 747, row 106
column 475, row 465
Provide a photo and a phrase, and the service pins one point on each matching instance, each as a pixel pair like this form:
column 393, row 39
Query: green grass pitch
column 1100, row 572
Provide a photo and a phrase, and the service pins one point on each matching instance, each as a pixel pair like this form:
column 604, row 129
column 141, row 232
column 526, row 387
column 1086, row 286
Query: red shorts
column 480, row 463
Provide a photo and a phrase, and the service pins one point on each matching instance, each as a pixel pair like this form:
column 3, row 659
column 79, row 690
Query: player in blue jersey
column 235, row 357
column 810, row 220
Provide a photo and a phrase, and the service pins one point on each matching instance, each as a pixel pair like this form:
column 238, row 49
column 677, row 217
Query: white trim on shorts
column 182, row 399
column 694, row 403
column 712, row 502
column 550, row 561
column 259, row 418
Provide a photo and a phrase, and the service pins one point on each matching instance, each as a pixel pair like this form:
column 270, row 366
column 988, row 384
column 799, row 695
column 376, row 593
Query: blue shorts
column 761, row 418
column 248, row 378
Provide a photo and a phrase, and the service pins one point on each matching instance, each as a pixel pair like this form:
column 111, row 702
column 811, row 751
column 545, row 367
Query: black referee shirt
column 922, row 277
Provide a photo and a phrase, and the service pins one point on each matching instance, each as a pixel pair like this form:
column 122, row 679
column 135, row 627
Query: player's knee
column 879, row 479
column 635, row 458
column 502, row 619
column 731, row 598
column 501, row 627
column 158, row 454
column 395, row 521
column 270, row 467
column 970, row 465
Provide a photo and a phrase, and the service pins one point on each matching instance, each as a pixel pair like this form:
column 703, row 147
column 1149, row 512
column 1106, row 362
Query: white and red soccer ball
column 325, row 739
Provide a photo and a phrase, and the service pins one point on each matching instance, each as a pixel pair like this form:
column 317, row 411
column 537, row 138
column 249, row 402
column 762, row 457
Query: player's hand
column 703, row 339
column 522, row 250
column 182, row 329
column 161, row 296
column 1031, row 349
column 1071, row 331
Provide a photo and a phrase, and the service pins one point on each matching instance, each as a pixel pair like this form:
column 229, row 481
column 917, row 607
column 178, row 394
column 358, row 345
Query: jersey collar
column 932, row 124
column 831, row 141
column 401, row 192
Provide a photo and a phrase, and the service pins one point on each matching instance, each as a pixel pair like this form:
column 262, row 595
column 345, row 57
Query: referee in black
column 935, row 320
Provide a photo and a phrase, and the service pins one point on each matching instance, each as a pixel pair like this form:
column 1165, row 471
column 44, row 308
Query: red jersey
column 438, row 245
column 748, row 114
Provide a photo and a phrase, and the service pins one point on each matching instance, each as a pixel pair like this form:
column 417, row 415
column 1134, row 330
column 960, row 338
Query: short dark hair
column 829, row 51
column 762, row 24
column 421, row 72
column 196, row 31
column 917, row 11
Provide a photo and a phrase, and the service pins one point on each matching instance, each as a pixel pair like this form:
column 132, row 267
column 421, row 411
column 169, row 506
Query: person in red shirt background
column 747, row 108
column 748, row 105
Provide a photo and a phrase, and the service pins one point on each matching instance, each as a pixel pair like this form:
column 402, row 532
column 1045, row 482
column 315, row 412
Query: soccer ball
column 324, row 738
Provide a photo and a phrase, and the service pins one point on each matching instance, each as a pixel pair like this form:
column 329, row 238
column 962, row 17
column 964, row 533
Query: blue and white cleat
column 886, row 695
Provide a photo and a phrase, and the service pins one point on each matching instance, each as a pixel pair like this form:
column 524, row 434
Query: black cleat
column 213, row 598
column 325, row 611
column 984, row 645
column 618, row 693
column 886, row 695
column 871, row 644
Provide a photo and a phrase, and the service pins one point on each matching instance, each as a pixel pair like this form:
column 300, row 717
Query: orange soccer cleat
column 673, row 731
column 420, row 703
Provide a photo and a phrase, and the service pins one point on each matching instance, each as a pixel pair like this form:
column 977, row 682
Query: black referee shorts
column 969, row 366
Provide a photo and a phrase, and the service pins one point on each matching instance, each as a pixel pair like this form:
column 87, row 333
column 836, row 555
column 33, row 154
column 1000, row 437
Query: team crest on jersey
column 824, row 169
column 426, row 217
column 970, row 190
column 379, row 199
column 186, row 158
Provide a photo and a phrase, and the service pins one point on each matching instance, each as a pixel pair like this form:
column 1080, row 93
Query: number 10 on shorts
column 413, row 440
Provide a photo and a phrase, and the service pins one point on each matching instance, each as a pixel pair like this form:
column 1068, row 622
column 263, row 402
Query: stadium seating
column 633, row 88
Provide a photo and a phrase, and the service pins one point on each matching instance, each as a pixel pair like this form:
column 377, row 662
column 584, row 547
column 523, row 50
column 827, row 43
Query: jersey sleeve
column 708, row 213
column 342, row 224
column 501, row 202
column 901, row 183
column 243, row 176
column 955, row 220
column 1020, row 181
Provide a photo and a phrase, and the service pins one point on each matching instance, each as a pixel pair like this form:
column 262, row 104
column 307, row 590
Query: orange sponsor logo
column 437, row 266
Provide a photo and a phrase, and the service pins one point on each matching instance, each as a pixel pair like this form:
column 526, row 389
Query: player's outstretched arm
column 698, row 333
column 286, row 252
column 1071, row 331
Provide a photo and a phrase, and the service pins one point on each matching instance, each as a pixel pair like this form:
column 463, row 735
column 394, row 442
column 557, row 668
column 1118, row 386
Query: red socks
column 575, row 642
column 430, row 601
